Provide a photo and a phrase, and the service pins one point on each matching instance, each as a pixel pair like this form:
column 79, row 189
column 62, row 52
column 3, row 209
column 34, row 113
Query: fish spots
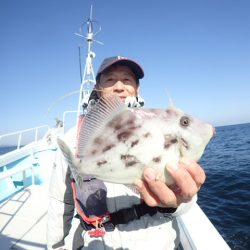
column 134, row 127
column 129, row 160
column 134, row 143
column 108, row 147
column 101, row 163
column 168, row 141
column 118, row 126
column 173, row 141
column 93, row 152
column 156, row 159
column 146, row 135
column 131, row 124
column 98, row 141
column 116, row 123
column 124, row 135
column 171, row 112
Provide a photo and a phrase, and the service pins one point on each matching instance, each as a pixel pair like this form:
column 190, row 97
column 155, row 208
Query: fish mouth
column 184, row 143
column 213, row 131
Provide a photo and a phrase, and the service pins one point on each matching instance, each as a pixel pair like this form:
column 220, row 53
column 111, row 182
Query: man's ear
column 138, row 90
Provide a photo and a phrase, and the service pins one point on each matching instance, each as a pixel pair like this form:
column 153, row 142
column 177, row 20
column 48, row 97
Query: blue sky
column 198, row 52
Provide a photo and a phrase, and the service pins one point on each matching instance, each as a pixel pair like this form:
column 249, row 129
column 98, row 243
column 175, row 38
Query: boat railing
column 66, row 120
column 20, row 134
column 16, row 170
column 20, row 163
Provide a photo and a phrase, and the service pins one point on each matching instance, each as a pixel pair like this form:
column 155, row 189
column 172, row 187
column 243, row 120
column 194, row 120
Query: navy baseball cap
column 110, row 61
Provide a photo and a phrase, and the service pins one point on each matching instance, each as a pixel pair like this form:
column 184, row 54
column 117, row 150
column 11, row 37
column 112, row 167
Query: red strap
column 96, row 232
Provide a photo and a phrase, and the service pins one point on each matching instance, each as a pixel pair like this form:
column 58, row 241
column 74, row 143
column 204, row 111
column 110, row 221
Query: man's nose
column 119, row 86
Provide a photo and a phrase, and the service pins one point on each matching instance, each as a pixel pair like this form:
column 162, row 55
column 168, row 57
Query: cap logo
column 121, row 57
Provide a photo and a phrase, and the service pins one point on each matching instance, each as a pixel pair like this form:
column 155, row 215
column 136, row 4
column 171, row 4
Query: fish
column 117, row 143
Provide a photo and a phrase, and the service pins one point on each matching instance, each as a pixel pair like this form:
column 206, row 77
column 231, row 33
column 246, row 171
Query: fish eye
column 184, row 121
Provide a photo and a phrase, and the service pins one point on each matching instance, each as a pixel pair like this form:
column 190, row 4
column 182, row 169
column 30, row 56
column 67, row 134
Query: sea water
column 225, row 196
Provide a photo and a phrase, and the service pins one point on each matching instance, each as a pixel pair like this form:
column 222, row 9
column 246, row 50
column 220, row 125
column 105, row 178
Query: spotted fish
column 117, row 143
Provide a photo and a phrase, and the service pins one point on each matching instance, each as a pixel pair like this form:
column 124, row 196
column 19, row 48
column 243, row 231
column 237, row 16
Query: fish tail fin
column 66, row 151
column 71, row 160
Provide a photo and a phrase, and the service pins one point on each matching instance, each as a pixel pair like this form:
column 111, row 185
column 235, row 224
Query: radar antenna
column 88, row 77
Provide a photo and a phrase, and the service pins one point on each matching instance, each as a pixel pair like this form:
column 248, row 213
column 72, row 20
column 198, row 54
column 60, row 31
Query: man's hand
column 188, row 179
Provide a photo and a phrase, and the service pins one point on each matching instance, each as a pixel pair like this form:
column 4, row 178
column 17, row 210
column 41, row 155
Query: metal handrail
column 21, row 132
column 65, row 113
column 13, row 171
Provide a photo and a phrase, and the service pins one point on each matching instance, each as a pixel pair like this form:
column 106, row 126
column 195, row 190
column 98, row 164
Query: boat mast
column 88, row 77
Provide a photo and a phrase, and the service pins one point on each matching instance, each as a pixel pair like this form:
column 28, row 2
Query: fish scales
column 117, row 143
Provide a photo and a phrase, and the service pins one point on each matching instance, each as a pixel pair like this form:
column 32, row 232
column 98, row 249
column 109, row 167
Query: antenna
column 88, row 77
column 80, row 61
column 90, row 27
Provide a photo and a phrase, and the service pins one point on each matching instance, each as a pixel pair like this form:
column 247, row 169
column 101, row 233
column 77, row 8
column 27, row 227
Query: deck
column 23, row 219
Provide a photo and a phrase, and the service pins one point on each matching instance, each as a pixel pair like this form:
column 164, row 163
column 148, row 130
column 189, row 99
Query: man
column 154, row 227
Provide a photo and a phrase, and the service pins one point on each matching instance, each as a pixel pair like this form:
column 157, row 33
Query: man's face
column 119, row 80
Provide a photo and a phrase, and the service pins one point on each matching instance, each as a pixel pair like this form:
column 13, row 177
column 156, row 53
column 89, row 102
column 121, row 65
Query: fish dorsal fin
column 170, row 102
column 106, row 109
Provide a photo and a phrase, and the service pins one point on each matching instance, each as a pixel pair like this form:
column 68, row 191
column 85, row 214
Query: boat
column 24, row 182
